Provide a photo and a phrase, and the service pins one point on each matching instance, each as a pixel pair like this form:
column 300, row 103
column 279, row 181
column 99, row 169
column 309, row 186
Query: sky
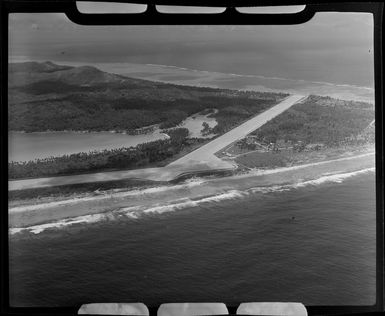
column 332, row 47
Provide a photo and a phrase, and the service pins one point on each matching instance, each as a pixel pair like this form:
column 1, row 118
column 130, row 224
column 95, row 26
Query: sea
column 234, row 79
column 313, row 243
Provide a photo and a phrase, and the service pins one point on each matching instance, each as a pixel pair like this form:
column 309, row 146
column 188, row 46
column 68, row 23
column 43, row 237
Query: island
column 273, row 138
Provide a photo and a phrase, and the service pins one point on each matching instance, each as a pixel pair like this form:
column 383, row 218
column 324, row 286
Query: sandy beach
column 111, row 204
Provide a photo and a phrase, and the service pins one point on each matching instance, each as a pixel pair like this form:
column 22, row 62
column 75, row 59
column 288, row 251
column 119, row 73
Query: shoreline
column 151, row 199
column 123, row 132
column 158, row 133
column 207, row 79
column 199, row 159
column 21, row 59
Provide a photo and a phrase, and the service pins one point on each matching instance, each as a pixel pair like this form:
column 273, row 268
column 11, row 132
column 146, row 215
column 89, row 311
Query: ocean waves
column 371, row 89
column 102, row 195
column 139, row 211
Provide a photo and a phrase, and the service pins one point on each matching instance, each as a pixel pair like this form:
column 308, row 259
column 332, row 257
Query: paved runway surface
column 206, row 152
column 201, row 159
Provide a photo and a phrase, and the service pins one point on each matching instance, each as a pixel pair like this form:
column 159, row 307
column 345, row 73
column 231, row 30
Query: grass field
column 267, row 160
column 263, row 159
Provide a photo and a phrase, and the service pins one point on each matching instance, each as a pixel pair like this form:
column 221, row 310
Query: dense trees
column 319, row 120
column 97, row 112
column 85, row 98
column 45, row 96
column 205, row 129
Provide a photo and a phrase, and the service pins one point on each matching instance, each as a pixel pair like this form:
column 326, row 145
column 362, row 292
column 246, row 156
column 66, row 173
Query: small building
column 251, row 139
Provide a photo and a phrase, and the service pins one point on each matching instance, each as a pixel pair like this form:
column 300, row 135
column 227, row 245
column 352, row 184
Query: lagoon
column 30, row 146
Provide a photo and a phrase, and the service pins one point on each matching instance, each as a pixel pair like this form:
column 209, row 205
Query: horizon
column 297, row 52
column 97, row 66
column 175, row 148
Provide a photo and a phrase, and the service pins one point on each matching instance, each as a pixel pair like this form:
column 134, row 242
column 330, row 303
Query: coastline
column 222, row 80
column 31, row 146
column 133, row 202
column 202, row 158
column 73, row 131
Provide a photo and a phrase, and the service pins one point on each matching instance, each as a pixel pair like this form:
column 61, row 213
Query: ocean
column 312, row 243
column 318, row 57
column 237, row 79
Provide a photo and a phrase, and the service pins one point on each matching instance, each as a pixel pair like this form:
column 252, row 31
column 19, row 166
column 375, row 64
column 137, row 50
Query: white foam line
column 267, row 77
column 232, row 194
column 325, row 178
column 84, row 219
column 37, row 229
column 336, row 178
column 191, row 183
column 105, row 195
column 192, row 203
column 132, row 212
column 283, row 169
column 135, row 211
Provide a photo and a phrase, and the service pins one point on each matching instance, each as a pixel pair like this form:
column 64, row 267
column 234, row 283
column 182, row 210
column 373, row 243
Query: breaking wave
column 135, row 212
column 265, row 77
column 36, row 229
column 325, row 178
column 101, row 195
column 192, row 203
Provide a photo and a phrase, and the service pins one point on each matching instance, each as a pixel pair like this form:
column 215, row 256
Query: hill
column 46, row 96
column 32, row 66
